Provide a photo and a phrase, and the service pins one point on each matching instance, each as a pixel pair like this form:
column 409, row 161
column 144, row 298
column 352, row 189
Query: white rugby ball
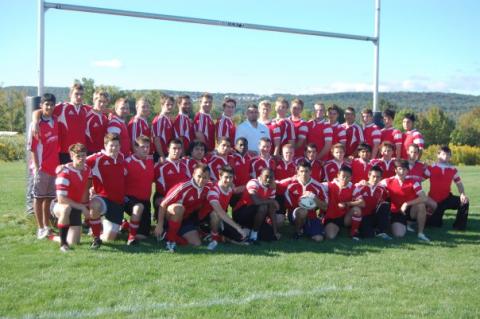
column 307, row 202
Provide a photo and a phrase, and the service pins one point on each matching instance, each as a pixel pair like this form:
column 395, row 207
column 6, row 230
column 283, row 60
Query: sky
column 425, row 45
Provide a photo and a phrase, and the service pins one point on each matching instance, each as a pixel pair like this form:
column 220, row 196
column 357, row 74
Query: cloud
column 112, row 64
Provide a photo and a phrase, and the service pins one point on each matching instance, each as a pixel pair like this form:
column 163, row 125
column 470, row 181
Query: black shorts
column 398, row 218
column 189, row 224
column 75, row 217
column 281, row 200
column 112, row 211
column 234, row 199
column 339, row 221
column 146, row 219
column 245, row 215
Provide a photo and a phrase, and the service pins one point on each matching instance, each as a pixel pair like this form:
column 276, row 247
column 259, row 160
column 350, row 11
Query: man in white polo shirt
column 251, row 129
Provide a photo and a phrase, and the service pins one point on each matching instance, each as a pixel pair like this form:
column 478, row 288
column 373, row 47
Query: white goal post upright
column 44, row 6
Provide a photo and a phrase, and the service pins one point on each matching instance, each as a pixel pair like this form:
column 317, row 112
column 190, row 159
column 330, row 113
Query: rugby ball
column 307, row 202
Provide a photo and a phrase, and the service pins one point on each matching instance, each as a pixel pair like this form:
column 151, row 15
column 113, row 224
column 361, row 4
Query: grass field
column 286, row 279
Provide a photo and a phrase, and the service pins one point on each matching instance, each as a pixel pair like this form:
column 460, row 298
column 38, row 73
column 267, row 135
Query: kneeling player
column 344, row 205
column 180, row 207
column 138, row 188
column 108, row 175
column 216, row 207
column 376, row 213
column 441, row 175
column 407, row 200
column 306, row 221
column 71, row 184
column 258, row 202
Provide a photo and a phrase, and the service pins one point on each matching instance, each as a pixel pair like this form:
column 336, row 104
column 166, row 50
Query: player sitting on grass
column 216, row 207
column 71, row 184
column 44, row 150
column 138, row 188
column 108, row 177
column 376, row 212
column 441, row 175
column 344, row 205
column 256, row 204
column 305, row 220
column 180, row 209
column 407, row 201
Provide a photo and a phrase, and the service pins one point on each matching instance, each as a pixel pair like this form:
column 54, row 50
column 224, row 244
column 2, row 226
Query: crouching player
column 108, row 177
column 306, row 221
column 138, row 187
column 344, row 205
column 258, row 202
column 216, row 207
column 180, row 207
column 376, row 212
column 441, row 175
column 71, row 185
column 407, row 200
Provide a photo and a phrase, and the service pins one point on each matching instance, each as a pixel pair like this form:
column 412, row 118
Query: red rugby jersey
column 259, row 163
column 72, row 183
column 284, row 169
column 317, row 168
column 204, row 124
column 255, row 187
column 241, row 166
column 337, row 195
column 331, row 169
column 373, row 196
column 183, row 129
column 187, row 194
column 417, row 171
column 117, row 126
column 441, row 178
column 97, row 123
column 45, row 145
column 401, row 192
column 108, row 176
column 372, row 134
column 301, row 132
column 360, row 170
column 162, row 127
column 168, row 174
column 388, row 167
column 295, row 190
column 139, row 178
column 225, row 127
column 354, row 136
column 319, row 132
column 392, row 135
column 139, row 126
column 215, row 163
column 216, row 194
column 409, row 138
column 72, row 124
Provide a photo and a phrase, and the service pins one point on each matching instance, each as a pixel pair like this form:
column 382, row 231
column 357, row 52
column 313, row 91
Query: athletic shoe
column 171, row 246
column 64, row 248
column 42, row 233
column 384, row 236
column 96, row 243
column 132, row 242
column 212, row 245
column 125, row 226
column 422, row 237
column 236, row 242
column 410, row 228
column 355, row 238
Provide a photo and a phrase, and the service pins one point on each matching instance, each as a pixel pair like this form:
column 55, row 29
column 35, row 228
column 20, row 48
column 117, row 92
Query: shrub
column 461, row 154
column 12, row 148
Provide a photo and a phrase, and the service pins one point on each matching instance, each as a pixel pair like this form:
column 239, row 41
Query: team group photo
column 249, row 159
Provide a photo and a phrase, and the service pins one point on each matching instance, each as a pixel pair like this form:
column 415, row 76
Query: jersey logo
column 71, row 113
column 106, row 163
column 170, row 172
column 295, row 192
column 191, row 198
column 95, row 125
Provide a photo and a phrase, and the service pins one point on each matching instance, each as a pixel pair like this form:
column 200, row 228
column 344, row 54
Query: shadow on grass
column 343, row 245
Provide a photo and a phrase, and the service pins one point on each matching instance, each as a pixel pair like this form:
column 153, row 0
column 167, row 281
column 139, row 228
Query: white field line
column 205, row 303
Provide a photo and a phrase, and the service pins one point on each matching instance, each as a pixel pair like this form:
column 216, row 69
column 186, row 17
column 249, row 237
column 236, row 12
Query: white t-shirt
column 252, row 134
